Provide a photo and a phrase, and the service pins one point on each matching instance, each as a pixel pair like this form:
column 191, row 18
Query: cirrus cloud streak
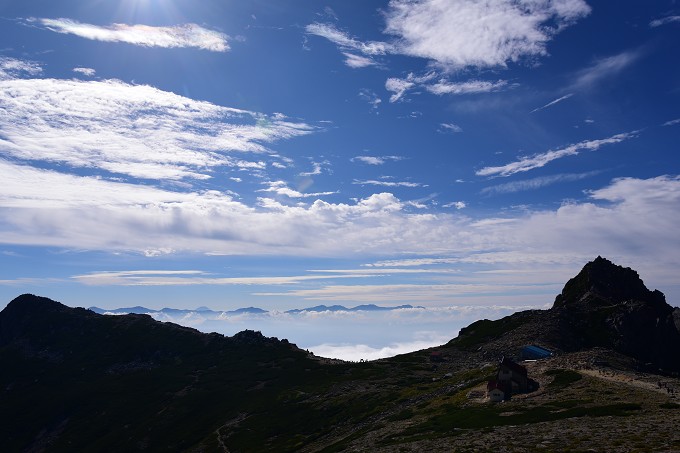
column 187, row 35
column 527, row 163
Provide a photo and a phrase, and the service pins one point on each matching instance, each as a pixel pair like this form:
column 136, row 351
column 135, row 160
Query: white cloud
column 605, row 68
column 281, row 188
column 468, row 33
column 413, row 262
column 536, row 183
column 539, row 160
column 370, row 160
column 357, row 352
column 187, row 35
column 12, row 67
column 436, row 294
column 551, row 103
column 470, row 87
column 349, row 335
column 370, row 97
column 457, row 34
column 350, row 46
column 358, row 61
column 133, row 130
column 30, row 282
column 42, row 207
column 671, row 122
column 664, row 21
column 376, row 160
column 456, row 204
column 450, row 128
column 371, row 182
column 462, row 33
column 384, row 271
column 193, row 277
column 440, row 87
column 89, row 72
column 345, row 42
column 317, row 168
column 630, row 221
column 399, row 87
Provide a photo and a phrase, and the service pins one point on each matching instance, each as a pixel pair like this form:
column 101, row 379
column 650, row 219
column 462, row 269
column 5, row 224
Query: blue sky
column 466, row 157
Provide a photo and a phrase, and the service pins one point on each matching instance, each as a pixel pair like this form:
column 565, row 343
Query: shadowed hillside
column 74, row 380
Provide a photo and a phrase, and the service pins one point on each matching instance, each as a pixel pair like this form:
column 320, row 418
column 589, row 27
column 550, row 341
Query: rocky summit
column 75, row 380
column 609, row 306
column 606, row 306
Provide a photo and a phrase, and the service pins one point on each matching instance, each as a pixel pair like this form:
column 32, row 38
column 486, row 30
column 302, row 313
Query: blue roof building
column 533, row 352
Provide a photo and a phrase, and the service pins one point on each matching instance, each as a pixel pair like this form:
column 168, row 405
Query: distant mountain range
column 205, row 311
column 75, row 380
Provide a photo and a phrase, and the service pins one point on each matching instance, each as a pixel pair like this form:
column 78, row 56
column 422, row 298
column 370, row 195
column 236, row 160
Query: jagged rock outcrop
column 606, row 306
column 602, row 283
column 609, row 306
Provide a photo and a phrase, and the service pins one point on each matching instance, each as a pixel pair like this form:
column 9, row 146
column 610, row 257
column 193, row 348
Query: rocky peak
column 603, row 283
column 607, row 305
column 29, row 314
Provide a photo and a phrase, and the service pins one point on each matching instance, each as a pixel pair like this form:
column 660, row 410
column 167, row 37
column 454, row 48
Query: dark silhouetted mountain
column 205, row 311
column 605, row 305
column 75, row 380
column 69, row 372
column 123, row 311
column 249, row 310
column 319, row 308
column 601, row 283
column 609, row 306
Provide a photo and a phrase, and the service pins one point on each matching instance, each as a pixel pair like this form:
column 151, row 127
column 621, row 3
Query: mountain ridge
column 76, row 380
column 249, row 310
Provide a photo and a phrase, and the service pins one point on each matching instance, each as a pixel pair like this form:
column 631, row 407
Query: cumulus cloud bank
column 357, row 335
column 463, row 33
column 46, row 207
column 457, row 34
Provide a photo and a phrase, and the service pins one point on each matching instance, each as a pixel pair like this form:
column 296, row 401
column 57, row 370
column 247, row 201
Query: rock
column 607, row 305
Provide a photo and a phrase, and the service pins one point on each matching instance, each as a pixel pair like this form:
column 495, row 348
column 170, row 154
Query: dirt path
column 664, row 386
